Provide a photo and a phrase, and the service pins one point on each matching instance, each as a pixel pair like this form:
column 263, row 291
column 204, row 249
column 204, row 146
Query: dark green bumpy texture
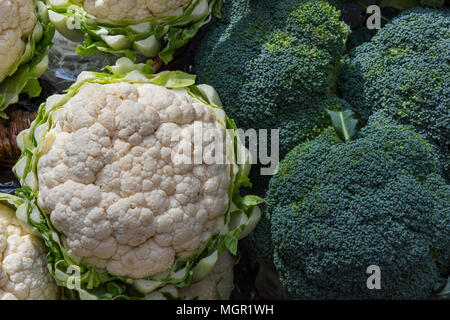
column 336, row 208
column 405, row 71
column 274, row 64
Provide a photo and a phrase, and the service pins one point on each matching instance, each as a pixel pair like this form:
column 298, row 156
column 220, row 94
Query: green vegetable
column 148, row 36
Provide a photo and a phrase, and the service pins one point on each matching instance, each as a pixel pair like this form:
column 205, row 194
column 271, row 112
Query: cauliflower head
column 17, row 20
column 113, row 168
column 117, row 10
column 148, row 28
column 25, row 38
column 133, row 206
column 23, row 266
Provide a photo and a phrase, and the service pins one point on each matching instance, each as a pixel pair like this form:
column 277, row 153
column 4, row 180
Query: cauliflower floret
column 208, row 288
column 23, row 266
column 115, row 182
column 116, row 10
column 17, row 20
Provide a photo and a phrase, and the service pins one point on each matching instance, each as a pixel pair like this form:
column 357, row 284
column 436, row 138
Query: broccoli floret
column 404, row 70
column 275, row 64
column 336, row 208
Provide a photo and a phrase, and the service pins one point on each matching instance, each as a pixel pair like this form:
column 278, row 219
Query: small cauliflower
column 349, row 200
column 217, row 285
column 17, row 20
column 25, row 37
column 118, row 182
column 404, row 71
column 23, row 266
column 149, row 28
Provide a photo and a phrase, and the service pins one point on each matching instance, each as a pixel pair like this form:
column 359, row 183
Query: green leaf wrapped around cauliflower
column 23, row 267
column 119, row 197
column 25, row 39
column 147, row 27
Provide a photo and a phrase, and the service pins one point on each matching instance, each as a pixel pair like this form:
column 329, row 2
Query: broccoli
column 404, row 70
column 275, row 64
column 336, row 208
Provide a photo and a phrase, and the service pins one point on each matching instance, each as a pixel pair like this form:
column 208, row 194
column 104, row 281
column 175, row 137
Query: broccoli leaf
column 344, row 123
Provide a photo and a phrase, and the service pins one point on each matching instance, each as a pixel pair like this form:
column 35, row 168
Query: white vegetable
column 17, row 20
column 117, row 10
column 217, row 285
column 149, row 47
column 23, row 266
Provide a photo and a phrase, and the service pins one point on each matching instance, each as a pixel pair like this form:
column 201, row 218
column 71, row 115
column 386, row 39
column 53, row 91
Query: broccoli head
column 275, row 64
column 336, row 208
column 404, row 70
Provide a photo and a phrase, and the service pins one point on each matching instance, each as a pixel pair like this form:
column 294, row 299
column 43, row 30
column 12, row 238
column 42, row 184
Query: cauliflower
column 23, row 267
column 134, row 209
column 25, row 38
column 145, row 27
column 134, row 9
column 110, row 171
